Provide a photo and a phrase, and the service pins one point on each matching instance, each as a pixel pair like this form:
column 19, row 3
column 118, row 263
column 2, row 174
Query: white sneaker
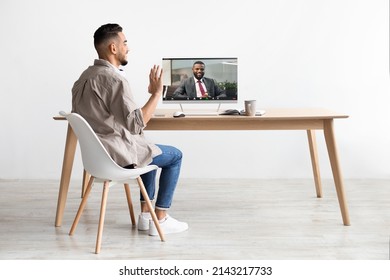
column 143, row 221
column 168, row 225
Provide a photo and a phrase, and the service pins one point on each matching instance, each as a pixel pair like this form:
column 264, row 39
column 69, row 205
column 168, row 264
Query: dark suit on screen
column 187, row 89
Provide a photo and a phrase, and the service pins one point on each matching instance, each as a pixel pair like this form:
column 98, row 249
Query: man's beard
column 198, row 77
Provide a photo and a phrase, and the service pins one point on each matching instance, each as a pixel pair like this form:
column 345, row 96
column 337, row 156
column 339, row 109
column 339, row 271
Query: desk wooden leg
column 314, row 161
column 334, row 162
column 70, row 148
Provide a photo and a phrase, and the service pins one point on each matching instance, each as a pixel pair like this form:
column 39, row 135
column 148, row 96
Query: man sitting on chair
column 103, row 97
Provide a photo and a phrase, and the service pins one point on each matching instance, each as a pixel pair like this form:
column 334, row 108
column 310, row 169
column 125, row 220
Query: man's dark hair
column 198, row 62
column 106, row 32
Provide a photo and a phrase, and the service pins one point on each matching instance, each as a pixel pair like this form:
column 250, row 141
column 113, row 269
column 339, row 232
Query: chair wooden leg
column 130, row 203
column 102, row 215
column 150, row 207
column 86, row 177
column 82, row 206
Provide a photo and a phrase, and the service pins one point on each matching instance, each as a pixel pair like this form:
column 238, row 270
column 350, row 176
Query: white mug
column 250, row 107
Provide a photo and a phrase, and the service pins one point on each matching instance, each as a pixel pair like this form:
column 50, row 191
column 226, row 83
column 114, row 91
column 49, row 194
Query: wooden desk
column 308, row 119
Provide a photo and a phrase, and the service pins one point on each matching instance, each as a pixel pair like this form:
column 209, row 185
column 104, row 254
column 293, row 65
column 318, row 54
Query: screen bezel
column 169, row 78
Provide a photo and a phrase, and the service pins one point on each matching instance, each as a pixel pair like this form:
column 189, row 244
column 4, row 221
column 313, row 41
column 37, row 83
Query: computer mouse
column 178, row 114
column 230, row 112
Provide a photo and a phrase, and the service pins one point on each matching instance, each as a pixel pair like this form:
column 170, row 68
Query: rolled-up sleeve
column 135, row 121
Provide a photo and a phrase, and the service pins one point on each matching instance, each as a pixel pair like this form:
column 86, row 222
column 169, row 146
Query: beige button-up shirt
column 103, row 97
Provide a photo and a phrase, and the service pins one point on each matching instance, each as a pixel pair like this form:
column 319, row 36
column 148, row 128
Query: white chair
column 98, row 163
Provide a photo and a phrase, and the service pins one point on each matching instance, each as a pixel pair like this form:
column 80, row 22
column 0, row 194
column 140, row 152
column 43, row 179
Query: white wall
column 292, row 53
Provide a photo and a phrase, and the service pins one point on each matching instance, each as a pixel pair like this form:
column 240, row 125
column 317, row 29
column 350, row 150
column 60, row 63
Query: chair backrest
column 95, row 157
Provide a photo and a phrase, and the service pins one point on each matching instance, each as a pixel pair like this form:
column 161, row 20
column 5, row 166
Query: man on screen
column 198, row 86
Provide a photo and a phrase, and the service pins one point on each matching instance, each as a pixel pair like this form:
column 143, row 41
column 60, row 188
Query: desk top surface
column 270, row 114
column 281, row 119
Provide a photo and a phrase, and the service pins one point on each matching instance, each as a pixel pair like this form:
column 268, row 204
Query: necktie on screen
column 201, row 88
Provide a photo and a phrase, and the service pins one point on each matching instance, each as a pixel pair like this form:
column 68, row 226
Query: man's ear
column 112, row 48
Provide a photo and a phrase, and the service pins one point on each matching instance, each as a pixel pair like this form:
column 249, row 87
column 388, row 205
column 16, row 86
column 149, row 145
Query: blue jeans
column 170, row 163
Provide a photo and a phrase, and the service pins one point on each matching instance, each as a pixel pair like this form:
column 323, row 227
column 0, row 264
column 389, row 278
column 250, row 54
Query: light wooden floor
column 228, row 219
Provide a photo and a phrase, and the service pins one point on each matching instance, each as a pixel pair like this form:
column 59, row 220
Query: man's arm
column 155, row 89
column 213, row 88
column 180, row 92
